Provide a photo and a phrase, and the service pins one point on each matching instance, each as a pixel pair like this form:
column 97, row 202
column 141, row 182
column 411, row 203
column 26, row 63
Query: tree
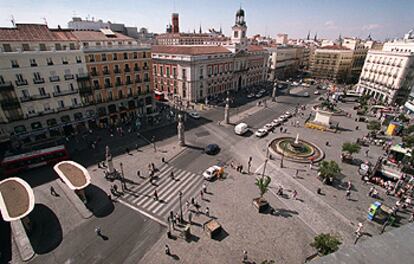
column 409, row 130
column 374, row 125
column 408, row 141
column 328, row 170
column 263, row 184
column 403, row 118
column 351, row 148
column 326, row 243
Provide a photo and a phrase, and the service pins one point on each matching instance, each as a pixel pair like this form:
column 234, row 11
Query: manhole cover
column 202, row 134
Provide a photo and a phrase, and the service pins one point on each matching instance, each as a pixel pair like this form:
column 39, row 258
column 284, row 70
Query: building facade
column 331, row 62
column 78, row 23
column 52, row 81
column 194, row 73
column 284, row 61
column 388, row 74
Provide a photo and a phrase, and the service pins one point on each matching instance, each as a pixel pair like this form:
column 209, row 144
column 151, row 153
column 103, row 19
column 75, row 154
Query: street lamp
column 283, row 156
column 180, row 194
column 153, row 142
column 264, row 167
column 122, row 177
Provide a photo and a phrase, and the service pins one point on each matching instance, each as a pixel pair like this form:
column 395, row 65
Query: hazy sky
column 381, row 18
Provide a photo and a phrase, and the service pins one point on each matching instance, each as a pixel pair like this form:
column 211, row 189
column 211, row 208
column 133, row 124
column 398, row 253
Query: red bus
column 159, row 95
column 37, row 158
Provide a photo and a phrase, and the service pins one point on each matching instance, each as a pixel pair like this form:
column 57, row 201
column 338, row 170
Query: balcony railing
column 94, row 73
column 6, row 86
column 62, row 93
column 82, row 76
column 38, row 81
column 106, row 72
column 35, row 97
column 127, row 69
column 54, row 78
column 10, row 104
column 69, row 77
column 118, row 84
column 136, row 69
column 117, row 71
column 21, row 82
column 108, row 85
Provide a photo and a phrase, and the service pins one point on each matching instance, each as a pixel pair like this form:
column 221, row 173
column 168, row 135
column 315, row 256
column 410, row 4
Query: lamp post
column 153, row 142
column 264, row 167
column 283, row 156
column 180, row 194
column 122, row 177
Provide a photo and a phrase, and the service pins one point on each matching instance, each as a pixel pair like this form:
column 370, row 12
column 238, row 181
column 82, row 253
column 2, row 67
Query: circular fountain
column 295, row 149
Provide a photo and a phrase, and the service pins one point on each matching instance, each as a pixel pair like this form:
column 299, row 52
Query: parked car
column 316, row 93
column 259, row 94
column 250, row 95
column 212, row 172
column 288, row 114
column 241, row 129
column 212, row 149
column 194, row 115
column 276, row 123
column 268, row 127
column 261, row 132
column 306, row 94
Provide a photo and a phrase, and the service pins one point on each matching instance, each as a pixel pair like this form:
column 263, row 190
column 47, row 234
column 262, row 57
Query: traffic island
column 16, row 202
column 321, row 121
column 77, row 178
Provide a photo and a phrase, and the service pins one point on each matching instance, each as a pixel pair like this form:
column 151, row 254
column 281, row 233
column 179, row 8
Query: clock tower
column 239, row 37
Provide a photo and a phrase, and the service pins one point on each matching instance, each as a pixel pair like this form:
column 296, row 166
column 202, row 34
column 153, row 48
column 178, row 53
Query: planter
column 261, row 204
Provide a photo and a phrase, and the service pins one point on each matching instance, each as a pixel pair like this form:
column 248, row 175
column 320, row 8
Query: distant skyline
column 328, row 18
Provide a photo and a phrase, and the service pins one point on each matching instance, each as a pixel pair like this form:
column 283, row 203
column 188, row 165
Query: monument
column 109, row 162
column 226, row 111
column 180, row 130
column 321, row 121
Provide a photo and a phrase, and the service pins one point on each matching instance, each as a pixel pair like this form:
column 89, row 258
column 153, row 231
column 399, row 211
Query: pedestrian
column 348, row 194
column 241, row 168
column 163, row 160
column 204, row 187
column 137, row 147
column 127, row 150
column 153, row 166
column 207, row 212
column 52, row 191
column 98, row 231
column 192, row 201
column 411, row 217
column 349, row 185
column 139, row 173
column 366, row 152
column 244, row 256
column 371, row 191
column 359, row 229
column 172, row 175
column 297, row 123
column 202, row 195
column 294, row 194
column 310, row 165
column 187, row 204
column 177, row 218
column 167, row 250
column 296, row 173
column 155, row 195
column 281, row 129
column 357, row 127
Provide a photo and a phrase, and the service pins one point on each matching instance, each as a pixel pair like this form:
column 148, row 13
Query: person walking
column 155, row 195
column 98, row 231
column 366, row 152
column 53, row 192
column 167, row 250
column 244, row 256
column 172, row 175
column 187, row 205
column 294, row 194
column 190, row 218
column 202, row 195
column 348, row 194
column 311, row 165
column 207, row 212
column 204, row 188
column 371, row 191
column 139, row 173
column 127, row 151
column 349, row 187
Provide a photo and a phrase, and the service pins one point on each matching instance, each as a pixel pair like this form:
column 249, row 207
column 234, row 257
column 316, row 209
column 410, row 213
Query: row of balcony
column 381, row 72
column 385, row 63
column 56, row 78
column 118, row 71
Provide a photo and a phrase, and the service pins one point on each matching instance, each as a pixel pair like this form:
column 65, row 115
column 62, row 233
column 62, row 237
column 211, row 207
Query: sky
column 328, row 18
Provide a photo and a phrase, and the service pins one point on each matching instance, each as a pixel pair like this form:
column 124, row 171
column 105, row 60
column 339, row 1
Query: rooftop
column 334, row 47
column 189, row 50
column 35, row 32
column 253, row 48
column 89, row 35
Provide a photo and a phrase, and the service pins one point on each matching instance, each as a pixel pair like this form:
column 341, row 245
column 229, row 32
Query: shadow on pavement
column 38, row 176
column 46, row 232
column 5, row 242
column 98, row 201
column 221, row 236
column 284, row 212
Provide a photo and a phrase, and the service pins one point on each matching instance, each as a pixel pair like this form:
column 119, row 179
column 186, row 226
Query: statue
column 297, row 139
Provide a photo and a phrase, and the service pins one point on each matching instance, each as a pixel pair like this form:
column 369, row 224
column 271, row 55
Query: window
column 65, row 60
column 42, row 91
column 33, row 62
column 36, row 125
column 103, row 55
column 115, row 56
column 74, row 101
column 71, row 46
column 7, row 47
column 14, row 64
column 42, row 47
column 184, row 74
column 25, row 47
column 91, row 58
column 61, row 104
column 25, row 93
column 56, row 88
column 125, row 56
column 51, row 122
column 71, row 87
column 78, row 59
column 215, row 69
column 162, row 70
column 236, row 34
column 65, row 118
column 37, row 76
column 221, row 69
column 19, row 77
column 58, row 46
column 135, row 55
column 210, row 70
column 168, row 71
column 49, row 61
column 96, row 84
column 174, row 72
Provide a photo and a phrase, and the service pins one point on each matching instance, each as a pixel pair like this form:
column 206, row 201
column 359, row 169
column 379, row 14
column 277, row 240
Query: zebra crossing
column 142, row 196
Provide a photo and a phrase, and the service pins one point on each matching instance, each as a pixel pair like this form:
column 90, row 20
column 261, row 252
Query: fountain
column 295, row 149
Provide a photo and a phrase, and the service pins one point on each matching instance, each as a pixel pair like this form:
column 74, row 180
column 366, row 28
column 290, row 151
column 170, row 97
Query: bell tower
column 239, row 30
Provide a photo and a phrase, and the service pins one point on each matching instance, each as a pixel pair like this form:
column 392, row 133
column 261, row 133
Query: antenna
column 74, row 13
column 44, row 20
column 13, row 21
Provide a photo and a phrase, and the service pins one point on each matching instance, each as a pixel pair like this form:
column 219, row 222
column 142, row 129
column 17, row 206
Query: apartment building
column 388, row 74
column 284, row 61
column 119, row 70
column 40, row 72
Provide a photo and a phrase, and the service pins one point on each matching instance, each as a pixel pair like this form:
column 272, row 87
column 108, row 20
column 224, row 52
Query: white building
column 387, row 74
column 40, row 70
column 282, row 39
column 284, row 61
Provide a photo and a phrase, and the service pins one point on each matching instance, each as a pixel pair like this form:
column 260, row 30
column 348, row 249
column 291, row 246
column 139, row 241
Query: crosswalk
column 142, row 196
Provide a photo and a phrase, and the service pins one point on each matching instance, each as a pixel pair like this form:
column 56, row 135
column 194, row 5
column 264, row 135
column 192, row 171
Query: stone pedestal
column 322, row 118
column 109, row 162
column 274, row 93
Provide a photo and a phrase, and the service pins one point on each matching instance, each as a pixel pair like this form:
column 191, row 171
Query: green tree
column 326, row 243
column 403, row 118
column 408, row 141
column 263, row 184
column 374, row 125
column 351, row 148
column 328, row 170
column 409, row 130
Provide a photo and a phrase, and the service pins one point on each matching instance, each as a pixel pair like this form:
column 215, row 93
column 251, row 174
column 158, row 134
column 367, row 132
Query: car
column 268, row 127
column 306, row 94
column 212, row 149
column 281, row 119
column 194, row 115
column 212, row 172
column 276, row 123
column 262, row 91
column 288, row 114
column 316, row 93
column 261, row 132
column 258, row 95
column 285, row 117
column 251, row 95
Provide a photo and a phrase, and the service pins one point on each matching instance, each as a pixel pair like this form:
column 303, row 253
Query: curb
column 22, row 240
column 74, row 199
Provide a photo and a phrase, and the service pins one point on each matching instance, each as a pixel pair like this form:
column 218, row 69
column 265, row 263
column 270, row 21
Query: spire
column 308, row 36
column 221, row 32
column 369, row 36
column 194, row 31
column 200, row 31
column 315, row 38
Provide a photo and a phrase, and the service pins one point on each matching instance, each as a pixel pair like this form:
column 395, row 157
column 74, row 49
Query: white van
column 241, row 128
